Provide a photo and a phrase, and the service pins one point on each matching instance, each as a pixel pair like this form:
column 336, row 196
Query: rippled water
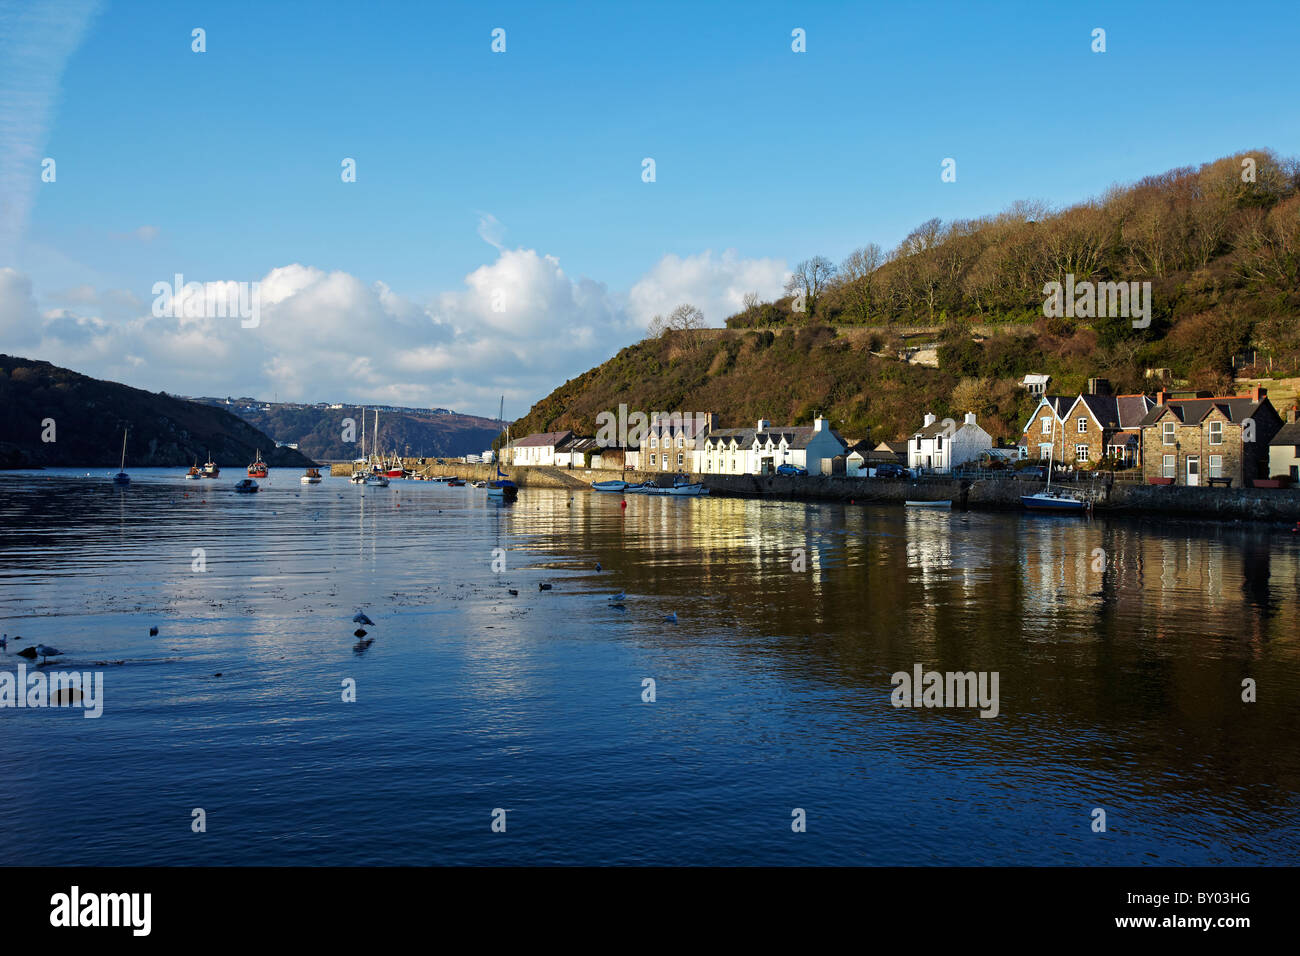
column 1119, row 690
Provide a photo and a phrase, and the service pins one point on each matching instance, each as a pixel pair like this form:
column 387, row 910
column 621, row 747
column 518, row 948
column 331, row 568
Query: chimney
column 1162, row 396
column 1290, row 414
column 970, row 418
column 929, row 420
column 1258, row 393
column 763, row 425
column 819, row 424
column 1098, row 386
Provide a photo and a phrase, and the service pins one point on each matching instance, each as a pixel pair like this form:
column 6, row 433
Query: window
column 1216, row 433
column 938, row 442
column 1083, row 426
column 1047, row 426
column 1170, row 468
column 1216, row 466
column 679, row 459
column 938, row 460
column 654, row 443
column 1168, row 430
column 1080, row 452
column 681, row 442
column 652, row 461
column 918, row 442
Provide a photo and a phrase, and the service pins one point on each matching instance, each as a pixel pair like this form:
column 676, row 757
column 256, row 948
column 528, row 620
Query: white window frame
column 1216, row 466
column 1169, row 466
column 1216, row 433
column 1083, row 426
column 1080, row 452
column 652, row 461
column 1167, row 433
column 1047, row 425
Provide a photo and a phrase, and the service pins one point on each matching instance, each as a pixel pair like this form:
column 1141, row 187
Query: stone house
column 1193, row 441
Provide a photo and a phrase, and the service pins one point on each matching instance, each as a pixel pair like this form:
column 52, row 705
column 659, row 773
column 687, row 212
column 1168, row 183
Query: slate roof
column 1192, row 411
column 542, row 439
column 1289, row 434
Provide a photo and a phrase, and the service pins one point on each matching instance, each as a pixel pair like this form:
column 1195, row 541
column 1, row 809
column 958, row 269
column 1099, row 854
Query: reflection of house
column 943, row 446
column 1284, row 450
column 1191, row 440
column 764, row 448
column 537, row 449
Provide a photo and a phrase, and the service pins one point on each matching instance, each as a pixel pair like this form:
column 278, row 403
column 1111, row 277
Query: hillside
column 318, row 431
column 89, row 414
column 1220, row 245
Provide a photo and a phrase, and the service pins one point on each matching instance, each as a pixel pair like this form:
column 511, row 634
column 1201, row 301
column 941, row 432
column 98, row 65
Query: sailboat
column 503, row 489
column 258, row 468
column 122, row 478
column 359, row 476
column 376, row 478
column 1052, row 500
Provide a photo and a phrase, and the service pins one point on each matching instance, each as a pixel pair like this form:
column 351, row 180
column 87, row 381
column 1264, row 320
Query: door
column 1193, row 471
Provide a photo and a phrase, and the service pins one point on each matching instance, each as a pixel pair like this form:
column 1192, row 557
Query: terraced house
column 1103, row 426
column 1045, row 430
column 764, row 448
column 1197, row 441
column 671, row 442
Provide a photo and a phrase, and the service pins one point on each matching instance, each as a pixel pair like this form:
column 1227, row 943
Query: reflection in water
column 1121, row 648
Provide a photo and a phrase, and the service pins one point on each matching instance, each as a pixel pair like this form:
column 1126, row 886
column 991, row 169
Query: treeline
column 1224, row 236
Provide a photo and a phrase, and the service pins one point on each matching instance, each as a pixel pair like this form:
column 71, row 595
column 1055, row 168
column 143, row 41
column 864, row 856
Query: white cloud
column 714, row 284
column 519, row 325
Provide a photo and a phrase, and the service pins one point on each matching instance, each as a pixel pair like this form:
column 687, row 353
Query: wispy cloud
column 36, row 41
column 491, row 231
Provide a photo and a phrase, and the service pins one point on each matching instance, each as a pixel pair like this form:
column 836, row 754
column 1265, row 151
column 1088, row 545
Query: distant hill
column 88, row 416
column 953, row 318
column 318, row 431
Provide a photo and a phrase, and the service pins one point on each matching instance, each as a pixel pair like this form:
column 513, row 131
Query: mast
column 363, row 431
column 122, row 466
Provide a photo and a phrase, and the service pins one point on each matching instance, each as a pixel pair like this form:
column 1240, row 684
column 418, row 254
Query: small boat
column 615, row 486
column 945, row 503
column 644, row 488
column 246, row 486
column 480, row 484
column 122, row 478
column 312, row 477
column 456, row 483
column 357, row 477
column 194, row 474
column 503, row 489
column 258, row 468
column 691, row 489
column 376, row 481
column 1053, row 499
column 210, row 470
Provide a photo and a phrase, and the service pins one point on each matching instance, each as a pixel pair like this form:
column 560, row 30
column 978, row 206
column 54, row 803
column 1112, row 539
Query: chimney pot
column 970, row 418
column 929, row 419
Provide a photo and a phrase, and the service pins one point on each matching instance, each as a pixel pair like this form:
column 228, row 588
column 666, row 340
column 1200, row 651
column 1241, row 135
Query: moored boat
column 944, row 503
column 376, row 481
column 122, row 478
column 357, row 477
column 209, row 470
column 311, row 477
column 246, row 486
column 258, row 468
column 1053, row 499
column 691, row 489
column 193, row 474
column 615, row 486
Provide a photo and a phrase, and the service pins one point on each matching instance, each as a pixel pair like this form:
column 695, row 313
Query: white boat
column 609, row 486
column 645, row 488
column 945, row 503
column 357, row 477
column 376, row 481
column 693, row 490
column 312, row 477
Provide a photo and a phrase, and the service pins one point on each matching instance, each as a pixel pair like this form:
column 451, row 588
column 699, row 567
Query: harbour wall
column 1232, row 504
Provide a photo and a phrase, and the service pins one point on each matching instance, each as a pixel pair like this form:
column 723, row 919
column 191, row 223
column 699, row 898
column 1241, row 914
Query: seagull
column 621, row 595
column 513, row 592
column 359, row 632
column 40, row 650
column 153, row 632
column 360, row 618
column 671, row 618
column 543, row 587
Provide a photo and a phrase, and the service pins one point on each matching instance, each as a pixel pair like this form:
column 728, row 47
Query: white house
column 764, row 448
column 537, row 449
column 943, row 446
column 1036, row 384
column 1284, row 450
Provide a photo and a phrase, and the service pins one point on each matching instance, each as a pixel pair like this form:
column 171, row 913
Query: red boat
column 258, row 468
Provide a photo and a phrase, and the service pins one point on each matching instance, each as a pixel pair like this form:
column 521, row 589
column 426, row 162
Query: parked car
column 791, row 470
column 888, row 470
column 1032, row 473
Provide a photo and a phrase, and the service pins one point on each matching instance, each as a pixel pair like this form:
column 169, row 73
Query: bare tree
column 752, row 301
column 811, row 278
column 857, row 273
column 686, row 318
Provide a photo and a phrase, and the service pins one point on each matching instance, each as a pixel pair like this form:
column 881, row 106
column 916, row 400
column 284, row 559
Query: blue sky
column 225, row 166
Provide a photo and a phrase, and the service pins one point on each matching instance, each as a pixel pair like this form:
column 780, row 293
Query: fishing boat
column 376, row 480
column 258, row 468
column 944, row 503
column 246, row 486
column 614, row 486
column 311, row 477
column 1053, row 499
column 644, row 488
column 194, row 474
column 503, row 489
column 122, row 478
column 210, row 470
column 692, row 489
